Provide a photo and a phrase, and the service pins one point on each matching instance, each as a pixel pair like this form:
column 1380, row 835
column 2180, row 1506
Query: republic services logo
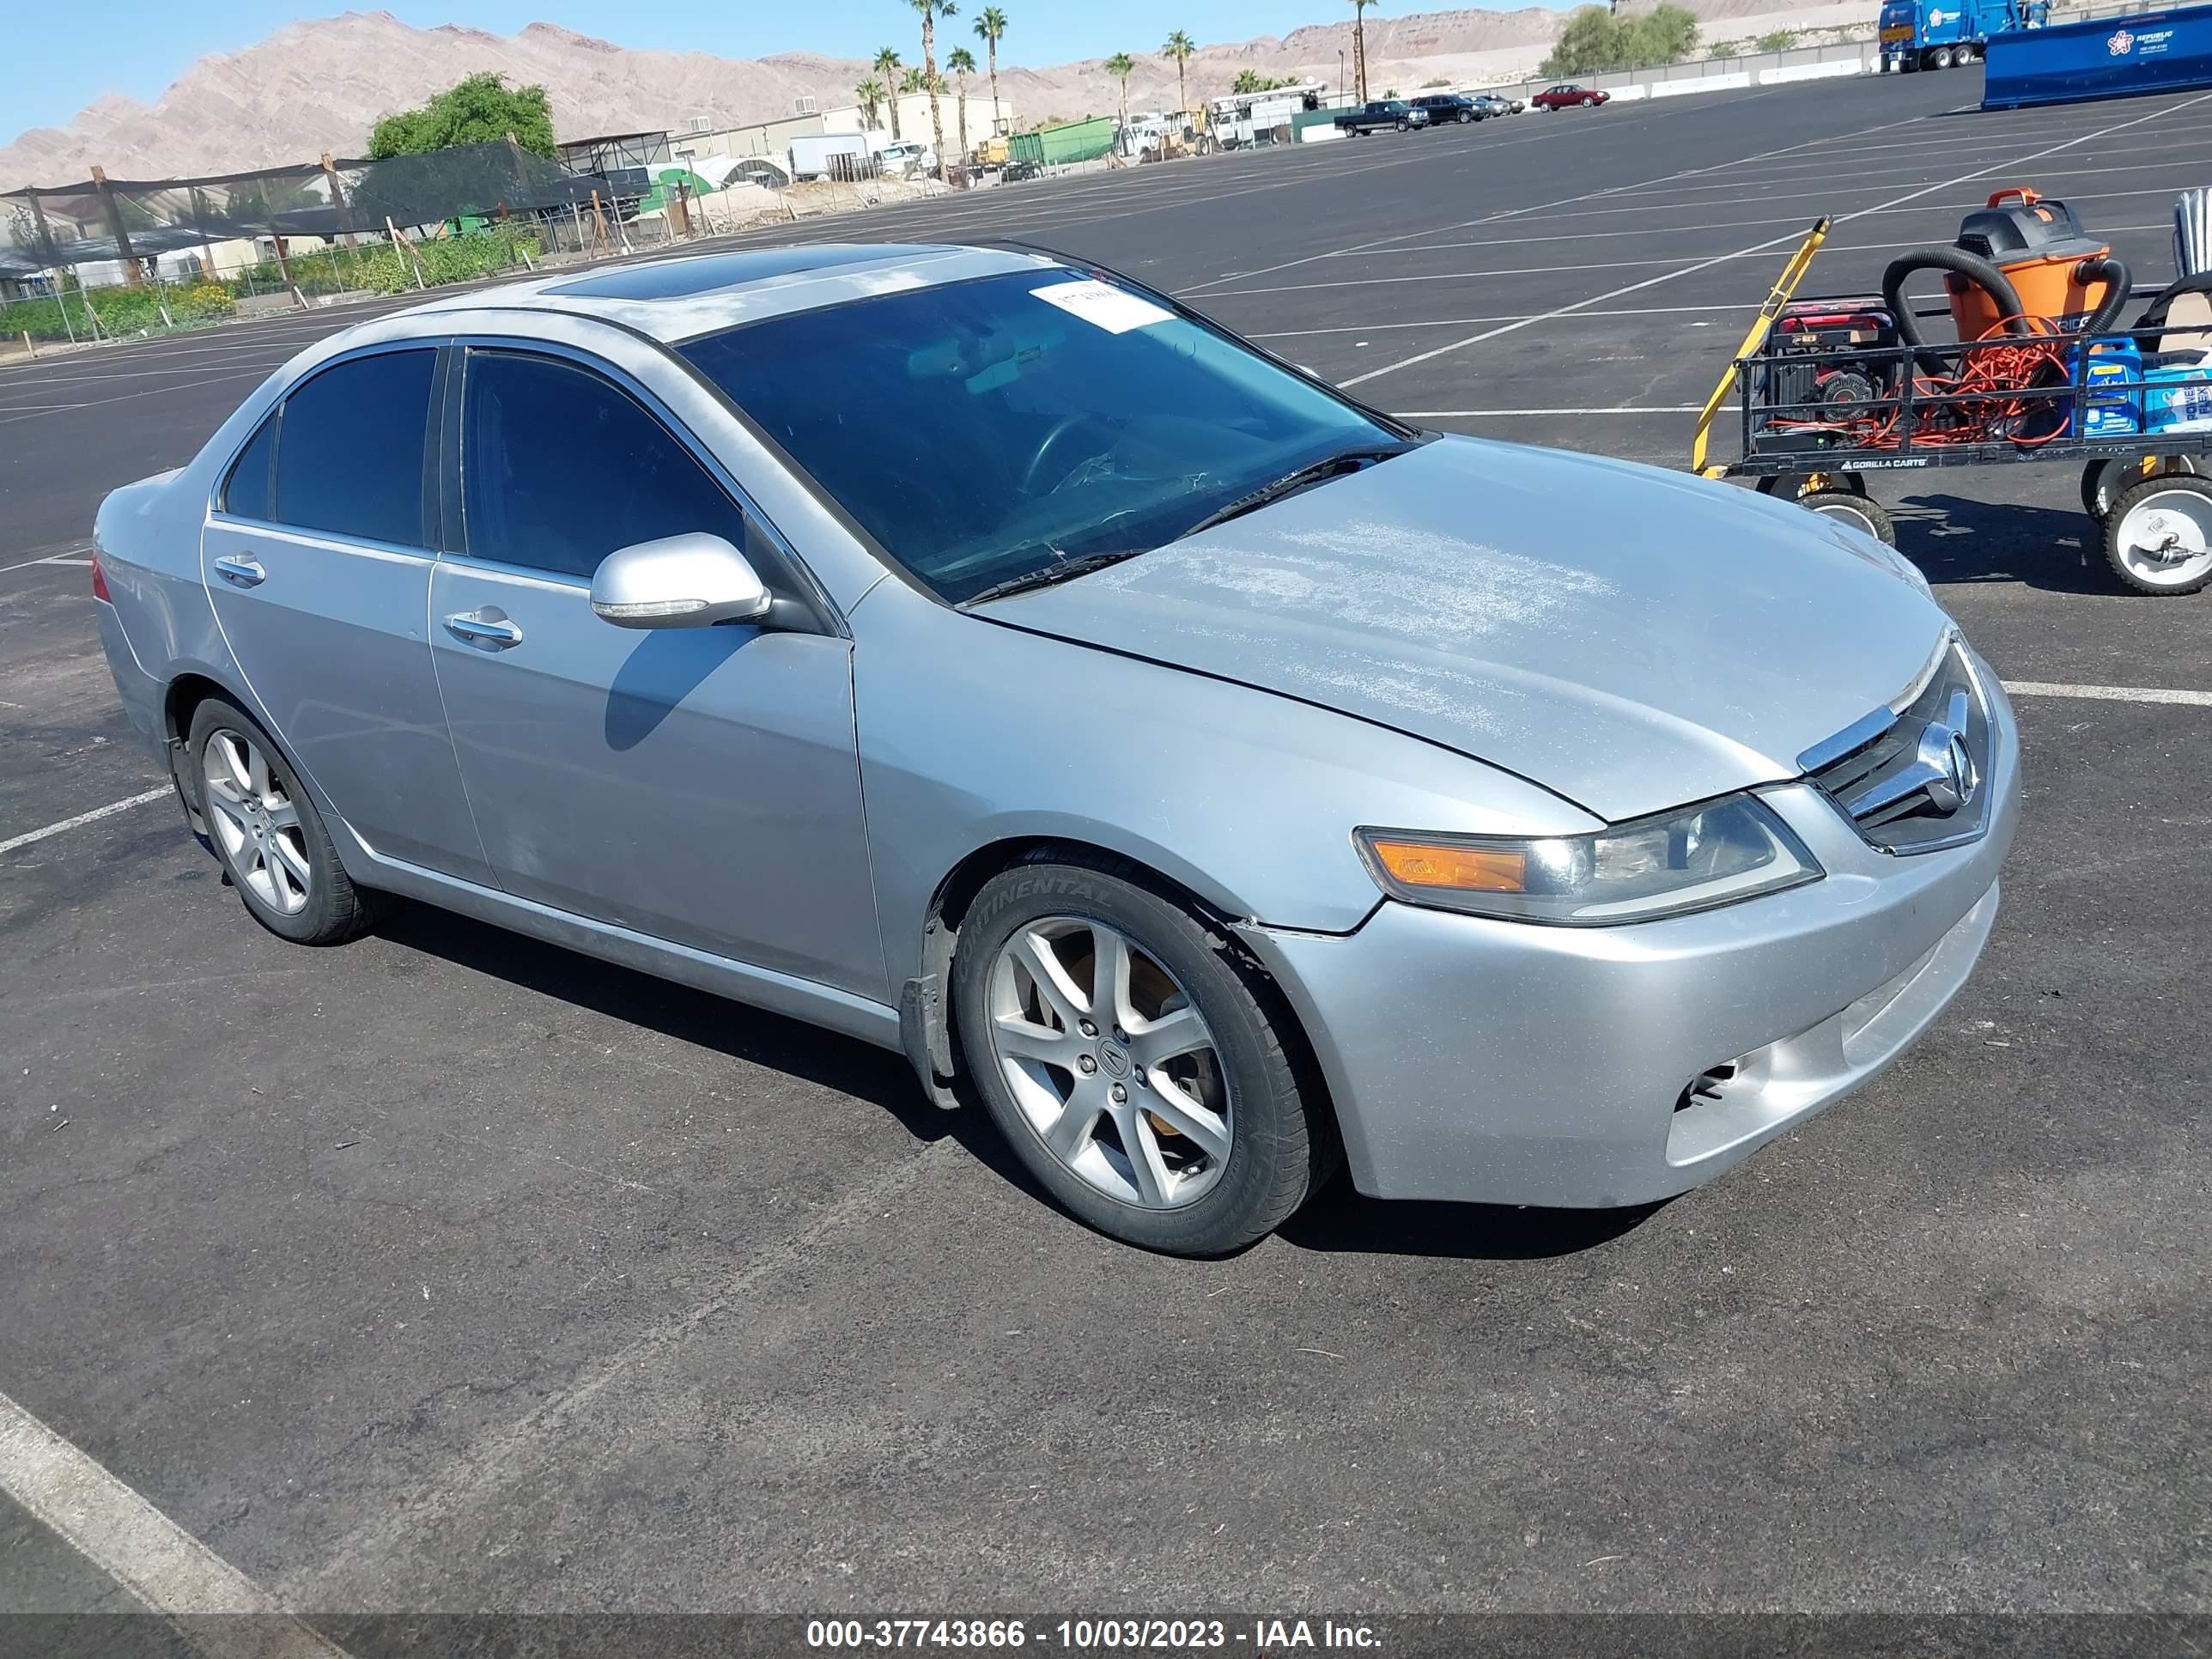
column 2121, row 44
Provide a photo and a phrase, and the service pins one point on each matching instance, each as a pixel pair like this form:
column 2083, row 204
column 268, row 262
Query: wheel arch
column 932, row 1035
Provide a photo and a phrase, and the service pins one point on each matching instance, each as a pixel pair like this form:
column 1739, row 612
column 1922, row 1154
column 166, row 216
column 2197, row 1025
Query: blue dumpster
column 2111, row 58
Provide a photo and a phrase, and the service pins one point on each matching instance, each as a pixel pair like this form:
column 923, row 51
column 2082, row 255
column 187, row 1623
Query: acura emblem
column 1951, row 778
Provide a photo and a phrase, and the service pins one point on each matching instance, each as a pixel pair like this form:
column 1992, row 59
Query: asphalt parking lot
column 449, row 1271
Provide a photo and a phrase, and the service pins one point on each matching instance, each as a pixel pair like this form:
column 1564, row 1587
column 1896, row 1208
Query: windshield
column 983, row 430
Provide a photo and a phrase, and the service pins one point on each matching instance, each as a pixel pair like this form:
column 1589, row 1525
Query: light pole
column 1339, row 68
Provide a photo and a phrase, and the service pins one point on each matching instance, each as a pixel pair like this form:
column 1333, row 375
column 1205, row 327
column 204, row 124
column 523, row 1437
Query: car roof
column 680, row 299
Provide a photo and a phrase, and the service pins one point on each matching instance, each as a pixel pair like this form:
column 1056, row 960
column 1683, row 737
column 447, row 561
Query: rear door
column 317, row 560
column 700, row 785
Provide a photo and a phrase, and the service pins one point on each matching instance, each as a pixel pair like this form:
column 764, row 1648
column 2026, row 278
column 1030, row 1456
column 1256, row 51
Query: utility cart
column 1829, row 391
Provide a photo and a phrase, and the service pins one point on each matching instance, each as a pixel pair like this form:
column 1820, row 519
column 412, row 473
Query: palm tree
column 1121, row 65
column 931, row 10
column 961, row 63
column 887, row 65
column 1180, row 47
column 1360, row 44
column 990, row 24
column 870, row 94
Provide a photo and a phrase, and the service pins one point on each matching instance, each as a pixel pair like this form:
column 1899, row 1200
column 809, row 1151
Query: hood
column 1630, row 638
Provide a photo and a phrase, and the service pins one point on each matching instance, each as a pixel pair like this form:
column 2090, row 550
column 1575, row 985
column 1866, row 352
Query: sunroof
column 676, row 279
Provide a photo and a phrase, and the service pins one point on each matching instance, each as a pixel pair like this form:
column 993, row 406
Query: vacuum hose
column 1959, row 263
column 2104, row 268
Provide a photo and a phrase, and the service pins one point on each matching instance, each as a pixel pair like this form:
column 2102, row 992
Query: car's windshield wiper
column 1046, row 575
column 1345, row 460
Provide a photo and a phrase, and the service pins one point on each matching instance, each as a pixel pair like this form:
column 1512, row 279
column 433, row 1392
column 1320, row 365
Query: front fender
column 971, row 732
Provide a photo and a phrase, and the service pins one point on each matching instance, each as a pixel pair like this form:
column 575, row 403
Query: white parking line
column 1613, row 409
column 2109, row 693
column 1771, row 242
column 159, row 1563
column 82, row 818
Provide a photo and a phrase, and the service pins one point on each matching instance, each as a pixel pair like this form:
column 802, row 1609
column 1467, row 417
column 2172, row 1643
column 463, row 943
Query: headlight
column 1691, row 859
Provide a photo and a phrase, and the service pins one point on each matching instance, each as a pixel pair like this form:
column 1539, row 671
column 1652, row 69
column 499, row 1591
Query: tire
column 1013, row 1034
column 2159, row 535
column 266, row 833
column 1942, row 58
column 1963, row 56
column 1860, row 512
column 1404, row 126
column 1465, row 116
column 2102, row 482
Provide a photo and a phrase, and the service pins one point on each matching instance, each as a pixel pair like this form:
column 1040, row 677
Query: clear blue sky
column 138, row 46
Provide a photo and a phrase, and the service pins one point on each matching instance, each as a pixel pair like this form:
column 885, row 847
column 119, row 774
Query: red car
column 1566, row 95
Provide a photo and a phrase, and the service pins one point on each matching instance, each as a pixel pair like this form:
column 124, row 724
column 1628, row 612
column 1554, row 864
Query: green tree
column 887, row 65
column 1665, row 35
column 481, row 110
column 1590, row 42
column 1121, row 66
column 870, row 95
column 990, row 24
column 931, row 10
column 1359, row 45
column 1251, row 80
column 1179, row 47
column 961, row 63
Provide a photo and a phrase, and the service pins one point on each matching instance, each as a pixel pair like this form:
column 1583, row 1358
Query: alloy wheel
column 257, row 823
column 1110, row 1062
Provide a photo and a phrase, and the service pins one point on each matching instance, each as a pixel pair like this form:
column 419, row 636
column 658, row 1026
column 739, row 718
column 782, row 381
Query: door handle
column 239, row 569
column 477, row 631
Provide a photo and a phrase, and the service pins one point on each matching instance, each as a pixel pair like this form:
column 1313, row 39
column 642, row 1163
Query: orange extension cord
column 1990, row 384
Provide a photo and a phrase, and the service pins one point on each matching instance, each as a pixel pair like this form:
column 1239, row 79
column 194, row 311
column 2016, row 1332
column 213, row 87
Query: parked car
column 1384, row 114
column 1449, row 106
column 1567, row 95
column 1491, row 104
column 1017, row 171
column 1219, row 777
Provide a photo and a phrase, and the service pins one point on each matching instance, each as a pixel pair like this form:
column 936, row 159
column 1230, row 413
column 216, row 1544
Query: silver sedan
column 979, row 655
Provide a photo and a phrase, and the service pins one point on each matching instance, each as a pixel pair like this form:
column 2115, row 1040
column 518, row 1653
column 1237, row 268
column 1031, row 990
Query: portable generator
column 1825, row 363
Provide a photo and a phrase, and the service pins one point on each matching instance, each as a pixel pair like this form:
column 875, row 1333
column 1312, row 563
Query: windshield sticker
column 1103, row 306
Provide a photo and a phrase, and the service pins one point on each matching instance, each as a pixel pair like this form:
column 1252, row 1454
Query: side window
column 246, row 493
column 560, row 467
column 350, row 461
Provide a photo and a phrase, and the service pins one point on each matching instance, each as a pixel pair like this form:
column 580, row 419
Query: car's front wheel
column 1133, row 1066
column 267, row 834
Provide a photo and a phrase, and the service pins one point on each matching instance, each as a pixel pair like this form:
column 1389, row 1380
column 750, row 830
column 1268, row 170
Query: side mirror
column 692, row 580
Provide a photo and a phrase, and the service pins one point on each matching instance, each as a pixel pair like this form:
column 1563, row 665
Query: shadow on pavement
column 1955, row 541
column 1343, row 1220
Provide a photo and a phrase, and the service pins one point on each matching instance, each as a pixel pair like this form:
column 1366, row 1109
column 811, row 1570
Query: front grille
column 1915, row 776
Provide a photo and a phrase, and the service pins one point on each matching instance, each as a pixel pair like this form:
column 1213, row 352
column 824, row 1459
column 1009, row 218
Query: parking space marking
column 1509, row 317
column 155, row 1560
column 1771, row 242
column 82, row 818
column 1612, row 409
column 2109, row 693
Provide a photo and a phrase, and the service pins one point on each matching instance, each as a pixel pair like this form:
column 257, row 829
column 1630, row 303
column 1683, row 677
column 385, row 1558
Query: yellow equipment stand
column 1785, row 286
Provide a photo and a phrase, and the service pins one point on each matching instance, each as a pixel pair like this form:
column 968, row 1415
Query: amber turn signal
column 1467, row 869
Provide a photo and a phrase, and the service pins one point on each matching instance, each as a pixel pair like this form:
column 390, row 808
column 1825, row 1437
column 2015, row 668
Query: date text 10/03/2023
column 1257, row 1636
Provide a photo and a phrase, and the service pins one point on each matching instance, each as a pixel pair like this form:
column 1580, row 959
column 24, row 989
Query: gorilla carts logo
column 2121, row 44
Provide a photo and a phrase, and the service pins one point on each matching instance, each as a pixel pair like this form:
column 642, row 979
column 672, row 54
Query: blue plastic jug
column 2114, row 363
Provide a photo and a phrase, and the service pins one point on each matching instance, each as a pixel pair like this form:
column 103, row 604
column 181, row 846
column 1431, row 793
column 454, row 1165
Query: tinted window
column 984, row 430
column 246, row 494
column 560, row 468
column 350, row 459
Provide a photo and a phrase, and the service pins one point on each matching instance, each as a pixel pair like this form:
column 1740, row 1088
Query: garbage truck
column 1933, row 34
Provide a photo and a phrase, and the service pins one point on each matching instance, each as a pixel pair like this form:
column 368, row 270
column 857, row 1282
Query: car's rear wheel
column 1132, row 1067
column 267, row 835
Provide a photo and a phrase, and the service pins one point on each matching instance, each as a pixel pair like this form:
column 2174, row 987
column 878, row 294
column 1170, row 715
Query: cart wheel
column 1796, row 486
column 1860, row 512
column 2160, row 538
column 2103, row 481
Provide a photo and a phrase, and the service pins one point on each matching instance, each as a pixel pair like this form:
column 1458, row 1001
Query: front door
column 697, row 785
column 317, row 561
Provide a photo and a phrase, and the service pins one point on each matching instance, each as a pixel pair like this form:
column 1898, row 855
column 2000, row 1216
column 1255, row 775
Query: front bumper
column 1500, row 1062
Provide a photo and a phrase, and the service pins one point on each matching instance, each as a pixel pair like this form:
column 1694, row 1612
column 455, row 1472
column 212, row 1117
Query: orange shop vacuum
column 2018, row 258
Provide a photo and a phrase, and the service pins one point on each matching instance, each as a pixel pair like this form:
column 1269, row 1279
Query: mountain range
column 320, row 85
